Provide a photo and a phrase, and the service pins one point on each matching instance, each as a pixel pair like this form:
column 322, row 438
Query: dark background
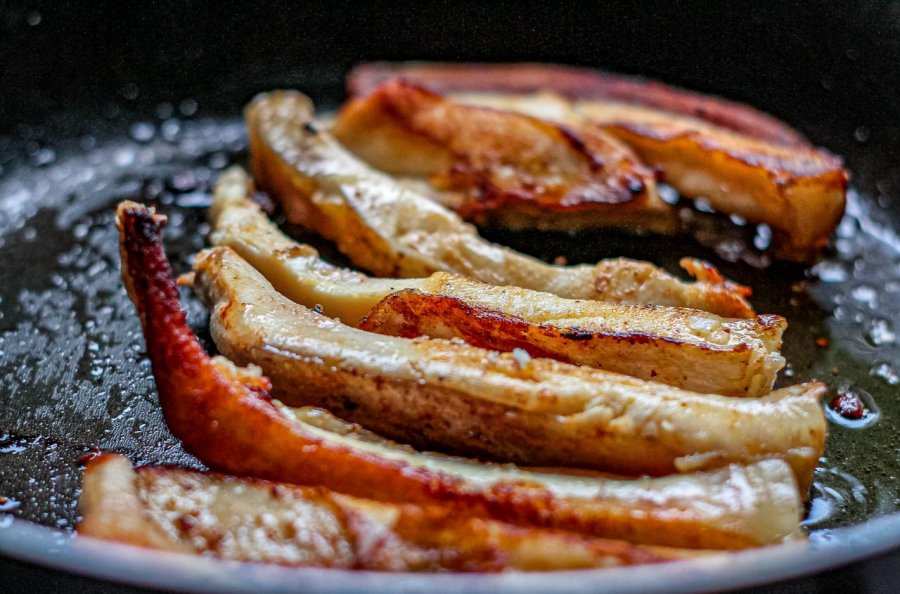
column 830, row 68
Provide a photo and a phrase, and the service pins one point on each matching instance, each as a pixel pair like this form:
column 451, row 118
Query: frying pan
column 103, row 101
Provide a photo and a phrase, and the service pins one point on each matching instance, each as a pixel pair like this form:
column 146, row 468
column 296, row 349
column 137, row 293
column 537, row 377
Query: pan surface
column 151, row 111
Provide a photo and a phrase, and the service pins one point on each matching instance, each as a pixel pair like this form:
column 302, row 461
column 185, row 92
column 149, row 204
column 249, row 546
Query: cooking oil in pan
column 74, row 375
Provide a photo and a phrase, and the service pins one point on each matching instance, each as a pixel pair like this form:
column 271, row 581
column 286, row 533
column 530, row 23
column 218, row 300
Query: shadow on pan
column 102, row 102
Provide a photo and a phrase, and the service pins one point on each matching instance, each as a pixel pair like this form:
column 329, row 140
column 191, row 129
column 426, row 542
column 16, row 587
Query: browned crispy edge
column 618, row 181
column 576, row 83
column 411, row 313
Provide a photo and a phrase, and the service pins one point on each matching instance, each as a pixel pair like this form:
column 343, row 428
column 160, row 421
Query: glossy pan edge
column 123, row 564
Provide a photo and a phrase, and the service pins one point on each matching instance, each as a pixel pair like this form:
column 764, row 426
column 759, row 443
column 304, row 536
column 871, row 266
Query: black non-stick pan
column 103, row 101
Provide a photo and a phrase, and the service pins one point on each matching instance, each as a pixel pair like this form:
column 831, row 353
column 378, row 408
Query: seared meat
column 684, row 348
column 226, row 416
column 391, row 230
column 254, row 520
column 743, row 162
column 433, row 392
column 488, row 163
column 798, row 191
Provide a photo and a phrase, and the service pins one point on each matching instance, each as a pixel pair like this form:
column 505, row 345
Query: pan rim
column 124, row 564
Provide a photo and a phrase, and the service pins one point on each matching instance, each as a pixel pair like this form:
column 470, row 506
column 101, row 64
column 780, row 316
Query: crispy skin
column 744, row 162
column 225, row 416
column 798, row 191
column 255, row 520
column 576, row 83
column 390, row 230
column 684, row 348
column 498, row 163
column 626, row 339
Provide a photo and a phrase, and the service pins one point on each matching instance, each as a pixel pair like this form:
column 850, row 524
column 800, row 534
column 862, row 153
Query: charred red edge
column 469, row 322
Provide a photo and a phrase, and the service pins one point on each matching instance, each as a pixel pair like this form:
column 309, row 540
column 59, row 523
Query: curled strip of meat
column 206, row 513
column 491, row 163
column 390, row 230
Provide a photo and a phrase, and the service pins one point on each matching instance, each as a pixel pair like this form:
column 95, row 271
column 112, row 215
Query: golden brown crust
column 798, row 191
column 743, row 162
column 491, row 161
column 639, row 347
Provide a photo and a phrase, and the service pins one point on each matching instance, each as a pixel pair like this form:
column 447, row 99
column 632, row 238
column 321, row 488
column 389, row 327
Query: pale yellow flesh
column 757, row 501
column 391, row 230
column 544, row 412
column 685, row 348
column 249, row 520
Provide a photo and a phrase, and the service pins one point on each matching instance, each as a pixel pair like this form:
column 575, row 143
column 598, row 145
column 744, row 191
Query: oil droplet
column 164, row 110
column 830, row 271
column 880, row 332
column 124, row 157
column 188, row 107
column 703, row 205
column 142, row 131
column 194, row 200
column 864, row 294
column 668, row 194
column 848, row 227
column 43, row 156
column 80, row 230
column 217, row 160
column 886, row 372
column 170, row 129
column 788, row 370
column 13, row 448
column 763, row 237
column 834, row 492
column 852, row 407
column 130, row 91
